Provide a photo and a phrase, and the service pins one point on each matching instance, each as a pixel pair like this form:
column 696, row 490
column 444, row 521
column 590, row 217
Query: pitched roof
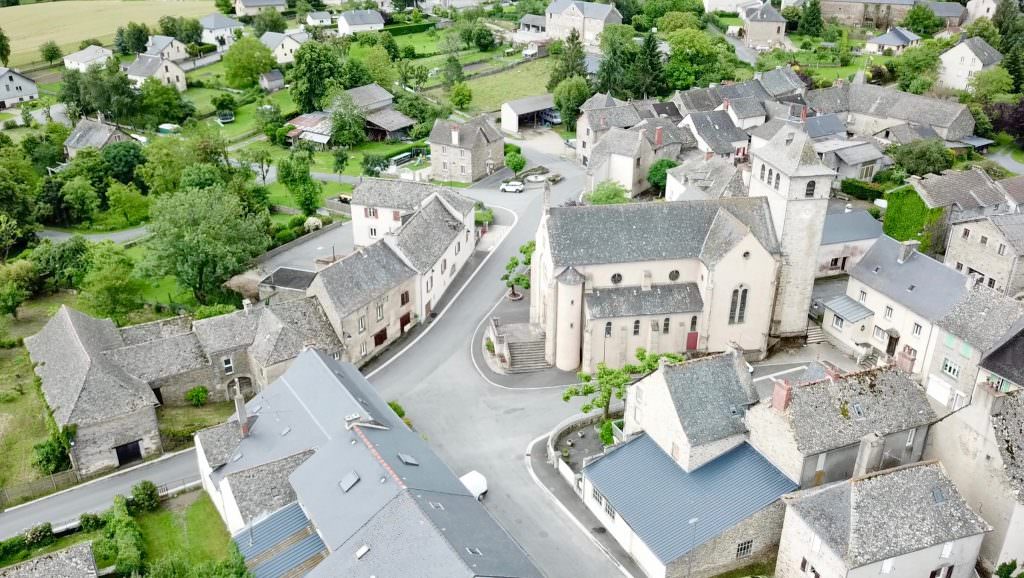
column 533, row 19
column 531, row 104
column 264, row 488
column 161, row 358
column 968, row 189
column 389, row 119
column 631, row 301
column 145, row 65
column 1004, row 361
column 157, row 43
column 287, row 328
column 919, row 283
column 255, row 3
column 657, row 498
column 368, row 94
column 746, row 107
column 982, row 50
column 780, row 81
column 859, row 154
column 762, row 12
column 847, row 227
column 717, row 130
column 621, row 116
column 361, row 17
column 90, row 133
column 823, row 125
column 710, row 98
column 81, row 385
column 1011, row 226
column 947, row 9
column 599, row 100
column 476, row 131
column 217, row 20
column 837, row 412
column 319, row 15
column 360, row 277
column 791, row 151
column 274, row 39
column 74, row 562
column 428, row 234
column 589, row 9
column 895, row 36
column 648, row 231
column 273, row 75
column 885, row 102
column 89, row 54
column 715, row 177
column 1014, row 187
column 289, row 278
column 888, row 514
column 846, row 308
column 710, row 395
column 225, row 332
column 271, row 547
column 406, row 195
column 982, row 317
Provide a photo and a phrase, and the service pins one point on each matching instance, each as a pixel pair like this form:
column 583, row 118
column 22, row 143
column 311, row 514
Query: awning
column 848, row 309
column 976, row 141
column 315, row 137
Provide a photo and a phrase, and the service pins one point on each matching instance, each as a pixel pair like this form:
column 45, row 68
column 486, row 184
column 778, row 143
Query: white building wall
column 371, row 224
column 345, row 29
column 771, row 434
column 799, row 543
column 980, row 9
column 15, row 89
column 852, row 252
column 222, row 38
column 902, row 320
column 623, row 534
column 956, row 67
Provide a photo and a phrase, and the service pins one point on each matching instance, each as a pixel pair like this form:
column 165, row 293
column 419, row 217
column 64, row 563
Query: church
column 697, row 275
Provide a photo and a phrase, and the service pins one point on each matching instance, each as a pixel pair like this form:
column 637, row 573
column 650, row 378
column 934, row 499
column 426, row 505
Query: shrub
column 285, row 236
column 513, row 148
column 90, row 522
column 410, row 28
column 397, row 408
column 296, row 221
column 13, row 549
column 197, row 396
column 374, row 164
column 907, row 218
column 489, row 345
column 52, row 455
column 145, row 496
column 123, row 532
column 875, row 212
column 607, row 437
column 862, row 190
column 41, row 535
column 206, row 311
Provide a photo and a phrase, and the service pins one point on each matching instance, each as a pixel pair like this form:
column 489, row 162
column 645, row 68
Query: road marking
column 529, row 468
column 778, row 373
column 494, row 249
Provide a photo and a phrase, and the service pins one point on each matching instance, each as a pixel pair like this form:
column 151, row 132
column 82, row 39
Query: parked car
column 225, row 116
column 476, row 483
column 512, row 187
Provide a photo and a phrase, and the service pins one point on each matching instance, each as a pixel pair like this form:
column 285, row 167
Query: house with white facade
column 980, row 9
column 87, row 57
column 684, row 493
column 588, row 19
column 894, row 41
column 150, row 66
column 845, row 239
column 968, row 57
column 991, row 249
column 16, row 88
column 318, row 18
column 909, row 521
column 166, row 48
column 284, row 46
column 254, row 7
column 353, row 21
column 625, row 156
column 717, row 135
column 382, row 206
column 219, row 30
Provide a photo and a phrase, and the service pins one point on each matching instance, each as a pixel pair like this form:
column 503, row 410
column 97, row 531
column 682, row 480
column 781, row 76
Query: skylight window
column 350, row 479
column 912, row 287
column 407, row 459
column 858, row 410
column 876, row 269
column 474, row 551
column 285, row 431
column 938, row 496
column 362, row 551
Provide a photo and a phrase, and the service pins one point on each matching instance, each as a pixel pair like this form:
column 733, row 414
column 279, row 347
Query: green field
column 187, row 525
column 489, row 92
column 5, row 116
column 213, row 72
column 69, row 22
column 201, row 98
column 279, row 194
column 245, row 116
column 730, row 21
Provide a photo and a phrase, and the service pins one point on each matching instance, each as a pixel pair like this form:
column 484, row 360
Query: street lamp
column 693, row 538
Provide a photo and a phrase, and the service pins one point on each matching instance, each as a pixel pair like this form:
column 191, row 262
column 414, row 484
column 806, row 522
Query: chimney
column 455, row 135
column 869, row 454
column 658, row 137
column 99, row 117
column 789, row 138
column 782, row 394
column 725, row 104
column 907, row 249
column 246, row 305
column 803, row 114
column 243, row 416
column 848, row 208
column 645, row 285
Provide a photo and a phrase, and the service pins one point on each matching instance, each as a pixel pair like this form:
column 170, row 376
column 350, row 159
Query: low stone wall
column 303, row 239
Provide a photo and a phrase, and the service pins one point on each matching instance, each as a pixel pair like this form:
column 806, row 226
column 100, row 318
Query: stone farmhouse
column 150, row 66
column 894, row 41
column 763, row 27
column 15, row 88
column 166, row 48
column 586, row 18
column 465, row 152
column 991, row 249
column 908, row 521
column 95, row 134
column 317, row 476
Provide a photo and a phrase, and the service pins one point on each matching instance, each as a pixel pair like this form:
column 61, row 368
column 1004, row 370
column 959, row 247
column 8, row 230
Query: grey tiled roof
column 589, row 9
column 1012, row 228
column 968, row 189
column 289, row 278
column 145, row 65
column 726, row 232
column 161, row 358
column 710, row 395
column 852, row 226
column 286, row 328
column 947, row 9
column 885, row 102
column 656, row 497
column 90, row 54
column 533, row 20
column 859, row 154
column 982, row 317
column 226, row 332
column 263, row 489
column 717, row 130
column 648, row 231
column 670, row 133
column 708, row 99
column 80, row 384
column 220, row 442
column 890, row 402
column 426, row 236
column 158, row 43
column 319, row 15
column 1014, row 187
column 791, row 151
column 824, row 125
column 389, row 119
column 920, row 283
column 632, row 301
column 74, row 562
column 361, row 17
column 405, row 196
column 273, row 39
column 617, row 141
column 599, row 100
column 888, row 513
column 217, row 20
column 983, row 50
column 746, row 107
column 1004, row 361
column 623, row 116
column 780, row 81
column 255, row 3
column 477, row 131
column 531, row 104
column 161, row 329
column 895, row 36
column 769, row 129
column 715, row 177
column 359, row 278
column 907, row 133
column 764, row 12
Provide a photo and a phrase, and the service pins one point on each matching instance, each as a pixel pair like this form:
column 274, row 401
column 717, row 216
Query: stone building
column 879, row 14
column 149, row 66
column 254, row 7
column 894, row 41
column 90, row 133
column 602, row 113
column 845, row 239
column 166, row 48
column 586, row 18
column 908, row 521
column 991, row 249
column 382, row 206
column 843, row 425
column 962, row 195
column 625, row 156
column 219, row 30
column 465, row 152
column 74, row 562
column 763, row 27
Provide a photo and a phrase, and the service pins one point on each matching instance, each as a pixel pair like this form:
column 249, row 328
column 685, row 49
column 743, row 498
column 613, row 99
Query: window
column 863, row 296
column 666, row 325
column 959, row 266
column 636, row 327
column 949, row 368
column 617, row 278
column 430, row 283
column 693, row 323
column 373, row 232
column 947, row 550
column 888, row 312
column 887, row 566
column 777, row 181
column 770, row 174
column 444, row 149
column 396, row 216
column 966, row 234
column 984, row 241
column 380, row 311
column 809, row 192
column 762, row 171
column 867, row 172
column 965, row 349
column 738, row 306
column 744, row 549
column 639, row 394
column 917, row 330
column 362, row 323
column 596, row 495
column 463, row 169
column 370, row 212
column 837, row 322
column 673, row 275
column 458, row 247
column 638, row 415
column 910, row 437
column 404, row 299
column 229, row 366
column 608, row 509
column 1002, row 249
column 949, row 341
column 991, row 282
column 608, row 329
column 879, row 334
column 444, row 265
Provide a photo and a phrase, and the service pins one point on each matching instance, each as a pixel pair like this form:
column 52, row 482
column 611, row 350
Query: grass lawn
column 489, row 92
column 186, row 525
column 730, row 21
column 60, row 544
column 184, row 420
column 68, row 23
column 279, row 194
column 206, row 74
column 245, row 116
column 17, row 134
column 424, row 42
column 809, row 61
column 163, row 290
column 6, row 116
column 323, row 161
column 202, row 99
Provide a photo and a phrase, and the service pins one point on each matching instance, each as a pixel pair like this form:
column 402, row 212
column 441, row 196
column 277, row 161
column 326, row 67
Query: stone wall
column 94, row 443
column 798, row 544
column 719, row 555
column 985, row 258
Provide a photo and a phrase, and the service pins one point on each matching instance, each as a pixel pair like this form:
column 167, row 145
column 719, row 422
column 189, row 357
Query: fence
column 10, row 495
column 195, row 63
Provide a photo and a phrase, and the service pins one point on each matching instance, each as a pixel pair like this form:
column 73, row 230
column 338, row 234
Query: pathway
column 1005, row 160
column 122, row 236
column 745, row 54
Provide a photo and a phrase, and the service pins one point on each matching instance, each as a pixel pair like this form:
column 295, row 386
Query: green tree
column 517, row 270
column 607, row 193
column 1006, row 570
column 11, row 297
column 570, row 62
column 259, row 158
column 646, row 74
column 197, row 396
column 984, row 28
column 268, row 21
column 128, row 202
column 917, row 67
column 166, row 160
column 658, row 174
column 80, row 198
column 162, row 103
column 452, row 72
column 62, row 265
column 1014, row 64
column 1006, row 16
column 136, row 36
column 348, row 128
column 922, row 157
column 10, row 232
column 225, row 6
column 224, row 101
column 374, row 164
column 340, row 160
column 111, row 288
column 922, row 20
column 203, row 238
column 379, row 65
column 316, row 65
column 673, row 21
column 607, row 384
column 569, row 95
column 122, row 158
column 792, row 15
column 461, row 95
column 697, row 60
column 612, row 77
column 811, row 23
column 308, row 195
column 354, row 73
column 989, row 83
column 294, row 169
column 50, row 51
column 245, row 61
column 515, row 162
column 483, row 38
column 5, row 48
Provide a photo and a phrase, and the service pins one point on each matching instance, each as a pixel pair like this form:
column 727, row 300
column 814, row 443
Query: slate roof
column 360, row 277
column 589, row 9
column 161, row 329
column 895, row 36
column 369, row 94
column 144, row 65
column 74, row 562
column 319, row 15
column 255, row 3
column 1012, row 227
column 982, row 50
column 634, row 232
column 763, row 12
column 968, row 189
column 848, row 309
column 769, row 129
column 289, row 278
column 715, row 177
column 889, row 400
column 287, row 328
column 780, row 81
column 671, row 134
column 274, row 75
column 791, row 151
column 599, row 100
column 710, row 395
column 1004, row 361
column 632, row 301
column 405, row 196
column 617, row 141
column 225, row 332
column 710, row 98
column 656, row 497
column 389, row 119
column 846, row 227
column 428, row 234
column 263, row 489
column 361, row 17
column 746, row 107
column 1014, row 187
column 859, row 154
column 90, row 133
column 982, row 317
column 534, row 20
column 888, row 514
column 479, row 131
column 219, row 442
column 885, row 102
column 920, row 283
column 907, row 133
column 274, row 39
column 80, row 384
column 717, row 130
column 157, row 43
column 530, row 104
column 947, row 9
column 161, row 358
column 90, row 54
column 824, row 125
column 217, row 21
column 623, row 116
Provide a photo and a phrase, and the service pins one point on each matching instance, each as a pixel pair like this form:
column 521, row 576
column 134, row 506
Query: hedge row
column 513, row 148
column 862, row 190
column 404, row 29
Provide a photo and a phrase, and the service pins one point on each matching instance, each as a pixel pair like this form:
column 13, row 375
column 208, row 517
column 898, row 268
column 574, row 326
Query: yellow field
column 73, row 21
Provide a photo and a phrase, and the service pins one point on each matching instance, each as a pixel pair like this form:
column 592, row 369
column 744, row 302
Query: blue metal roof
column 846, row 307
column 270, row 533
column 657, row 498
column 286, row 561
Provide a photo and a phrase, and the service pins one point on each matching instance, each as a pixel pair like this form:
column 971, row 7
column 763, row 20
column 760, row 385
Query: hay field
column 73, row 21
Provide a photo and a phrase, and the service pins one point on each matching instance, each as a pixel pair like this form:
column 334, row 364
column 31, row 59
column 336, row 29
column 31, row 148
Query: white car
column 513, row 187
column 476, row 483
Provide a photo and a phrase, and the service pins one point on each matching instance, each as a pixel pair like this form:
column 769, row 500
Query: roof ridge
column 380, row 459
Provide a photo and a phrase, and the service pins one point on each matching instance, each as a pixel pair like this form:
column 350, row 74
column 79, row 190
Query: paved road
column 97, row 496
column 1007, row 162
column 745, row 54
column 122, row 236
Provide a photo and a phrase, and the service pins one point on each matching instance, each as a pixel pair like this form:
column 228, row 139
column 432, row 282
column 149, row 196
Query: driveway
column 337, row 241
column 122, row 236
column 1006, row 161
column 745, row 54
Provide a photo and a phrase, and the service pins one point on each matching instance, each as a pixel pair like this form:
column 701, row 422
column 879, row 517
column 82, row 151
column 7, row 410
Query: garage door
column 938, row 389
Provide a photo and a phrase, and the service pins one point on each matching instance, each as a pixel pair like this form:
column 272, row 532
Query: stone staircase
column 869, row 361
column 815, row 334
column 526, row 356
